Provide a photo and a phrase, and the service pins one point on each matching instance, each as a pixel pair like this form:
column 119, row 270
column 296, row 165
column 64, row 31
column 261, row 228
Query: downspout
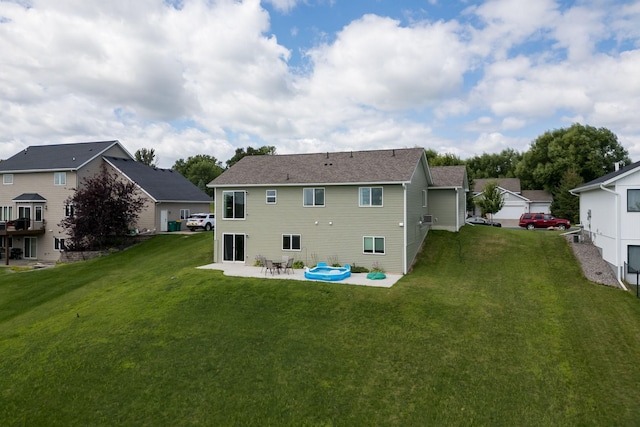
column 404, row 214
column 457, row 209
column 618, row 227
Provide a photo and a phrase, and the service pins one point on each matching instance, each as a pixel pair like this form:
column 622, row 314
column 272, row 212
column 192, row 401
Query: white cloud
column 377, row 63
column 202, row 76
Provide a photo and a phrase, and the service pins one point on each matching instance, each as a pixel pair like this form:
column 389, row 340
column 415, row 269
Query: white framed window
column 59, row 178
column 184, row 213
column 69, row 210
column 424, row 198
column 370, row 196
column 7, row 178
column 313, row 197
column 58, row 244
column 38, row 213
column 373, row 245
column 271, row 196
column 6, row 213
column 633, row 259
column 633, row 200
column 291, row 242
column 234, row 204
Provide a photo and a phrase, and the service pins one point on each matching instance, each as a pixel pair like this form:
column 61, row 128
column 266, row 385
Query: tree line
column 201, row 169
column 557, row 161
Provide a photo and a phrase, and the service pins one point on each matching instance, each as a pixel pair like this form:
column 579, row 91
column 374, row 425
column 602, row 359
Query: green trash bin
column 171, row 226
column 178, row 225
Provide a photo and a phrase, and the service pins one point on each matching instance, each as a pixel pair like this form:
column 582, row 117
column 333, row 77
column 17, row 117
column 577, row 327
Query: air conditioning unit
column 427, row 219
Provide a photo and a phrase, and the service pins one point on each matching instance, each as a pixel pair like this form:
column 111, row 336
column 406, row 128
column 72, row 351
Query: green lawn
column 493, row 327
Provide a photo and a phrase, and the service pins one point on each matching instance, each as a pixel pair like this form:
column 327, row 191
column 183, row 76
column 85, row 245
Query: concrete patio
column 241, row 270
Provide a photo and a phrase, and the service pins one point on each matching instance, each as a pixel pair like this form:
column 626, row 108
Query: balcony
column 22, row 227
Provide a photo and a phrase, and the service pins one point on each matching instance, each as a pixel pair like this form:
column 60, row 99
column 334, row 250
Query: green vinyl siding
column 442, row 206
column 334, row 232
column 416, row 232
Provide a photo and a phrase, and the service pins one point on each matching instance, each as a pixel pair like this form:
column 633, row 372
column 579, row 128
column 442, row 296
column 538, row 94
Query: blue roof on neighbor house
column 55, row 157
column 163, row 185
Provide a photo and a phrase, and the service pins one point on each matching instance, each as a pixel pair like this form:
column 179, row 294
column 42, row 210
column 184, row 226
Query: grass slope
column 493, row 327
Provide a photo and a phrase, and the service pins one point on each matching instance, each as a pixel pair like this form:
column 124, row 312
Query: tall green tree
column 146, row 156
column 265, row 150
column 491, row 200
column 495, row 165
column 591, row 152
column 566, row 205
column 200, row 170
column 588, row 151
column 447, row 159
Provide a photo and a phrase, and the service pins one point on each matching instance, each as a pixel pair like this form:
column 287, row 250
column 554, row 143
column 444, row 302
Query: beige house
column 37, row 181
column 357, row 207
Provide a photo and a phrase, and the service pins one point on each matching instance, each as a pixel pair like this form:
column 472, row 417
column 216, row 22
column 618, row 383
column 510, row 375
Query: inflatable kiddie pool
column 323, row 272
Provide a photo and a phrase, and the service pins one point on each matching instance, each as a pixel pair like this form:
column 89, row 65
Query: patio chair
column 268, row 265
column 263, row 263
column 288, row 267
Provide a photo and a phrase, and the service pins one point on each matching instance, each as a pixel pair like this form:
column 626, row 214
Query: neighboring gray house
column 610, row 214
column 447, row 195
column 355, row 207
column 37, row 181
column 170, row 196
column 516, row 201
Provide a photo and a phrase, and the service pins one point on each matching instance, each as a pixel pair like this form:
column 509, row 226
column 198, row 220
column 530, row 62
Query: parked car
column 542, row 220
column 478, row 220
column 207, row 221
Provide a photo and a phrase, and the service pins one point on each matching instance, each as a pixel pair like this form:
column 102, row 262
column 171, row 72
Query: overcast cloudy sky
column 189, row 77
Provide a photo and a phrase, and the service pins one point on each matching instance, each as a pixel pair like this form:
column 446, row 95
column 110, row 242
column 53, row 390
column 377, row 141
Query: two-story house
column 37, row 182
column 610, row 215
column 354, row 207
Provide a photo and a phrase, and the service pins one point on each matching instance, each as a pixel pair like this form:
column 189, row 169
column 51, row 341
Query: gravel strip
column 594, row 267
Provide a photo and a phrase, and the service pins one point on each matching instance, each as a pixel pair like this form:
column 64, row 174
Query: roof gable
column 160, row 184
column 56, row 157
column 350, row 167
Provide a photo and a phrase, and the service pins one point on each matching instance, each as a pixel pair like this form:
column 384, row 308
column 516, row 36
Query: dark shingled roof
column 377, row 166
column 448, row 176
column 55, row 157
column 29, row 197
column 537, row 195
column 509, row 184
column 608, row 177
column 161, row 184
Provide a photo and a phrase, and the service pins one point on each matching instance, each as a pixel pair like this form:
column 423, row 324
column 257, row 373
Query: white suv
column 207, row 221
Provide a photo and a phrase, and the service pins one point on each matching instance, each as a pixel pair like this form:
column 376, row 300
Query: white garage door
column 509, row 212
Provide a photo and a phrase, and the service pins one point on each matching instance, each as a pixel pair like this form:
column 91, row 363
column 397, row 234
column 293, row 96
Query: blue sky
column 189, row 77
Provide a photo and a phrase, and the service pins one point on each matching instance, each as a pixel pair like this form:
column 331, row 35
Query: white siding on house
column 539, row 207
